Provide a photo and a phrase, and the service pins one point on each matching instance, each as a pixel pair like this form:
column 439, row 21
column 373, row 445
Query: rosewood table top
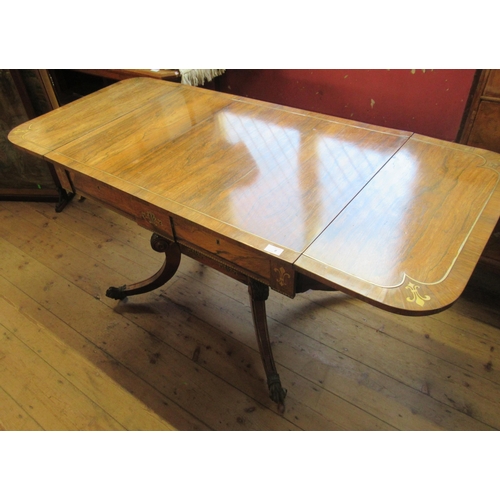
column 279, row 194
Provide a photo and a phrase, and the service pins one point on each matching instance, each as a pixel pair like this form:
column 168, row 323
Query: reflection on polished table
column 277, row 197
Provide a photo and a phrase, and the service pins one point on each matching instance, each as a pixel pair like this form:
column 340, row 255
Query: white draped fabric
column 199, row 76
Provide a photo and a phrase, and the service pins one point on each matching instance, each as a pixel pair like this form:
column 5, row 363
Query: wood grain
column 70, row 369
column 122, row 74
column 397, row 219
column 486, row 131
column 269, row 193
column 414, row 234
column 347, row 365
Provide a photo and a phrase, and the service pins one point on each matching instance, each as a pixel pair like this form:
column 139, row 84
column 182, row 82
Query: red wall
column 428, row 102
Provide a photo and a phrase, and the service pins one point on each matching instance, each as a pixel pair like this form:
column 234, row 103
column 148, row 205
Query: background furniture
column 482, row 130
column 71, row 84
column 482, row 125
column 24, row 94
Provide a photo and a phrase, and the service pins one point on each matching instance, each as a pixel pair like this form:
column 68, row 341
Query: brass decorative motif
column 419, row 299
column 151, row 218
column 282, row 276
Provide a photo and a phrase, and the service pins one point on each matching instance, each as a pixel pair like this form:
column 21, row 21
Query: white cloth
column 199, row 76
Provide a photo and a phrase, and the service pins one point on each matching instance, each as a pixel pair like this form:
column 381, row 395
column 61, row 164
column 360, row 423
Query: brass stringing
column 419, row 299
column 282, row 275
column 151, row 218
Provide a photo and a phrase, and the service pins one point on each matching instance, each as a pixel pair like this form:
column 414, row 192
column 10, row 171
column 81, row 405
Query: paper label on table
column 274, row 250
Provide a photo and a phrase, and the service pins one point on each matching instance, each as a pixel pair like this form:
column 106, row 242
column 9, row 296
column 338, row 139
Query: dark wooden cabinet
column 71, row 84
column 482, row 130
column 23, row 96
column 486, row 131
column 482, row 124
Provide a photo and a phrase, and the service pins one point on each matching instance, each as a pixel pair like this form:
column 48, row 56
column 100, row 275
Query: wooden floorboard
column 185, row 356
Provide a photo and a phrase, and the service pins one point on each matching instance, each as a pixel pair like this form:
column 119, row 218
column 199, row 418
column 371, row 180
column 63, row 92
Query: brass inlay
column 151, row 218
column 419, row 299
column 282, row 275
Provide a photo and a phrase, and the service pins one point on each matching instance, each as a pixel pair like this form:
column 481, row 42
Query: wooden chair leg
column 169, row 268
column 258, row 295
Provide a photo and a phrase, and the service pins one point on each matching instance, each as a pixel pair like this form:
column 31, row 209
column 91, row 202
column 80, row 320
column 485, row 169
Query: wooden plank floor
column 185, row 356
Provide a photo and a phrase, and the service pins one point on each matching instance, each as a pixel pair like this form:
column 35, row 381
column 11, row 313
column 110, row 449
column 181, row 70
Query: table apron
column 224, row 254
